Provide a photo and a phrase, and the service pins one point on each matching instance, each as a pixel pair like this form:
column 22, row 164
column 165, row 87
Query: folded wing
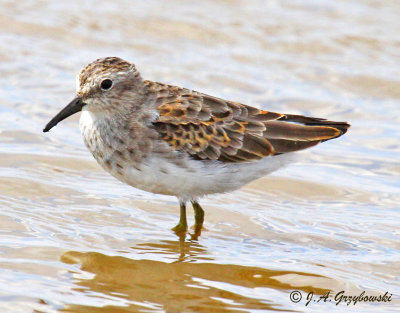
column 210, row 128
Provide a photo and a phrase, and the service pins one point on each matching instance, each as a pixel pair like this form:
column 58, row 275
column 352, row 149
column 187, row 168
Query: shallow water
column 74, row 239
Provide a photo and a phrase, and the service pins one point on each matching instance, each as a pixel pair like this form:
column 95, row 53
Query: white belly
column 192, row 179
column 199, row 178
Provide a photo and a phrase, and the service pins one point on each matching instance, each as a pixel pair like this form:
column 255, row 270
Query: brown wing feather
column 210, row 128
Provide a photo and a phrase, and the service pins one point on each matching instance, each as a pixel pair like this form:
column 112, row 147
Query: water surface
column 74, row 239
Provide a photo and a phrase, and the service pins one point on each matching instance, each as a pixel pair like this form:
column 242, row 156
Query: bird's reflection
column 181, row 250
column 189, row 283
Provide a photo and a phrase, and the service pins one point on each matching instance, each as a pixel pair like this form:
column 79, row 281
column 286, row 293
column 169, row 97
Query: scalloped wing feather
column 211, row 128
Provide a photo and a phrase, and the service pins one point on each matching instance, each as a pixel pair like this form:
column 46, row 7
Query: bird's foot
column 197, row 229
column 180, row 228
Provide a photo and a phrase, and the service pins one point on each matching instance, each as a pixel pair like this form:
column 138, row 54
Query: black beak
column 73, row 107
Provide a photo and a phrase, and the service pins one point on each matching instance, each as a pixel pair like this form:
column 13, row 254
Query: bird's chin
column 95, row 109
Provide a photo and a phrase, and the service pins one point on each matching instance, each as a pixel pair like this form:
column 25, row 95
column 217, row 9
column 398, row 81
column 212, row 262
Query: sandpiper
column 176, row 141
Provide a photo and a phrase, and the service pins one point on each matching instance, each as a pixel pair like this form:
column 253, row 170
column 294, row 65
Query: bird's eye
column 106, row 84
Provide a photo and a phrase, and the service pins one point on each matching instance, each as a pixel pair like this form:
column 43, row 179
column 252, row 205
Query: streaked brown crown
column 104, row 65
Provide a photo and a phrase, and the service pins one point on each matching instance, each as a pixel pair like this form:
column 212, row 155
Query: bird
column 179, row 142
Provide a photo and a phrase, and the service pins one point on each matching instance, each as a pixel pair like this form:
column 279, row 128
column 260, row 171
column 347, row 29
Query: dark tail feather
column 296, row 132
column 341, row 126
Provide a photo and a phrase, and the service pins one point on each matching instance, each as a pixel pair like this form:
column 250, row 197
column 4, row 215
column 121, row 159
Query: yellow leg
column 181, row 228
column 198, row 218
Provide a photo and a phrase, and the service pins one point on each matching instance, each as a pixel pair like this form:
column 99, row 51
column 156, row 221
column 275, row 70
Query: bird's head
column 105, row 85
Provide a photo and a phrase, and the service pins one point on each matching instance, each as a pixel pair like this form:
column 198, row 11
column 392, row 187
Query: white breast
column 89, row 126
column 157, row 174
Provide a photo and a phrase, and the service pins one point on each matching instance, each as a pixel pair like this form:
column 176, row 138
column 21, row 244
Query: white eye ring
column 106, row 84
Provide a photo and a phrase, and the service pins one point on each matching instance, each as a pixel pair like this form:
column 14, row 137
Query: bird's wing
column 209, row 128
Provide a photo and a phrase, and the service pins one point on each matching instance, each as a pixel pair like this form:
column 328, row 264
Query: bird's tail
column 291, row 133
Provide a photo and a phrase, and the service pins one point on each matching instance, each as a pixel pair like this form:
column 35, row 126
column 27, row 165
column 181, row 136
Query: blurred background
column 74, row 239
